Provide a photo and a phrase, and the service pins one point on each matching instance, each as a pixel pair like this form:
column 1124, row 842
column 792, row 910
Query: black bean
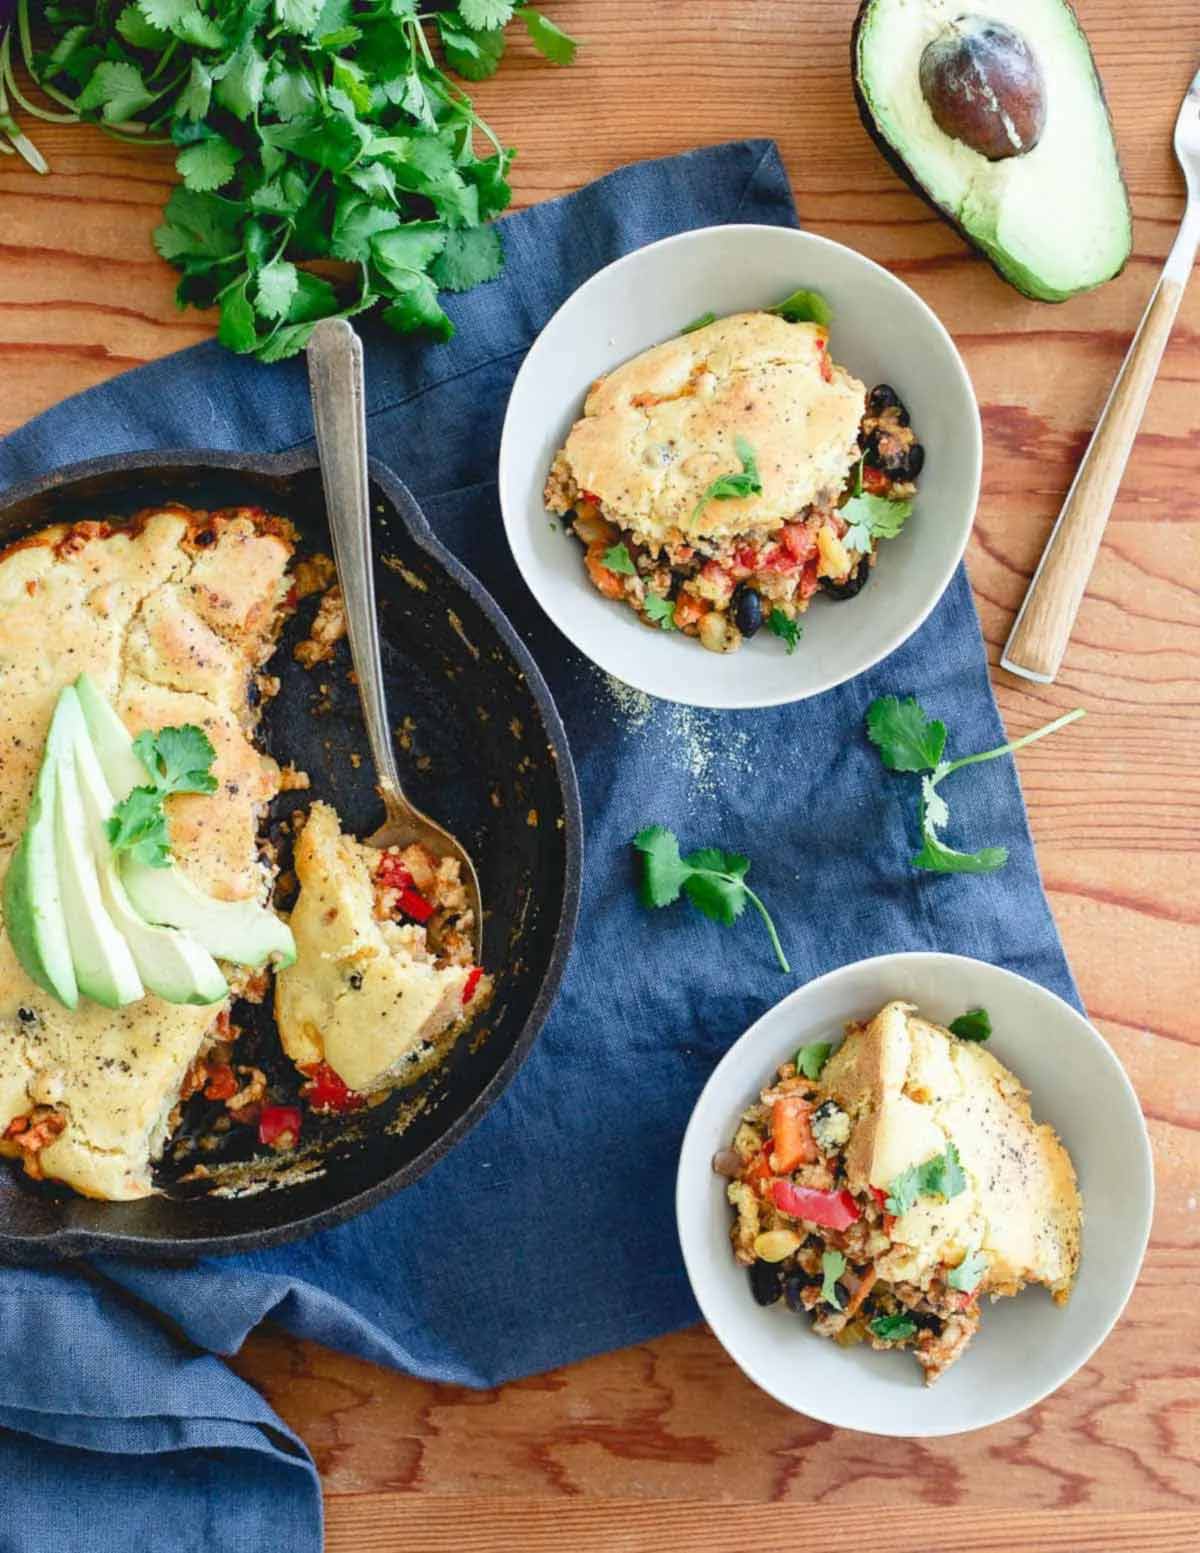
column 881, row 397
column 766, row 1282
column 916, row 460
column 853, row 585
column 747, row 610
column 843, row 1293
column 793, row 1290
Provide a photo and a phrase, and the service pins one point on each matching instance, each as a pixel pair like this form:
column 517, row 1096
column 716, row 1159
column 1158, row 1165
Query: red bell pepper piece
column 279, row 1126
column 875, row 482
column 327, row 1091
column 831, row 1210
column 392, row 874
column 415, row 906
column 471, row 983
column 878, row 1194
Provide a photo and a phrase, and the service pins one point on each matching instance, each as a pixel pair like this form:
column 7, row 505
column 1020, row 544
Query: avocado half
column 1054, row 219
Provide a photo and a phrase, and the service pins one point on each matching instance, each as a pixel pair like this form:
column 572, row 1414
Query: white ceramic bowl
column 881, row 331
column 1026, row 1346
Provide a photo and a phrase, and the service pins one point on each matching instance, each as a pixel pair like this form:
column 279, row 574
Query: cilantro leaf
column 811, row 1059
column 833, row 1265
column 137, row 31
column 473, row 55
column 713, row 880
column 468, row 258
column 974, row 1025
column 892, row 1329
column 699, row 323
column 208, row 165
column 236, row 328
column 804, row 307
column 550, row 41
column 871, row 518
column 276, row 288
column 483, row 15
column 906, row 739
column 727, row 487
column 940, row 1176
column 969, row 1273
column 117, row 89
column 783, row 626
column 660, row 610
column 178, row 760
column 618, row 560
column 240, row 81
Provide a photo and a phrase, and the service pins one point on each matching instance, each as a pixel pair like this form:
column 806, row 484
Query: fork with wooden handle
column 1043, row 626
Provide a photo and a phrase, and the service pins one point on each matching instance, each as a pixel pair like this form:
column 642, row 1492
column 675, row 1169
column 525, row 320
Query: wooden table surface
column 667, row 1444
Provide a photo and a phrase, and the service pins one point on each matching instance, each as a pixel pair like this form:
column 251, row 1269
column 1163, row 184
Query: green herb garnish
column 908, row 740
column 714, row 881
column 969, row 1273
column 303, row 130
column 727, row 487
column 833, row 1265
column 783, row 626
column 618, row 560
column 871, row 518
column 804, row 307
column 699, row 323
column 891, row 1329
column 660, row 610
column 178, row 761
column 942, row 1176
column 812, row 1058
column 974, row 1025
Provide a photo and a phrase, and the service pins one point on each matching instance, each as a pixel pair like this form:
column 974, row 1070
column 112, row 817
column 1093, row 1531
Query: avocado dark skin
column 901, row 168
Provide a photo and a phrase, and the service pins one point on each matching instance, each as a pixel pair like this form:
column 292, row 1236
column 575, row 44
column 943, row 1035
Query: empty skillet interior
column 480, row 748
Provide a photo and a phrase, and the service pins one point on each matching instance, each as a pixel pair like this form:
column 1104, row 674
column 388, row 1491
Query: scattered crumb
column 710, row 750
column 516, row 729
column 395, row 564
column 313, row 574
column 355, row 759
column 531, row 819
column 631, row 707
column 456, row 626
column 404, row 734
column 293, row 781
column 327, row 630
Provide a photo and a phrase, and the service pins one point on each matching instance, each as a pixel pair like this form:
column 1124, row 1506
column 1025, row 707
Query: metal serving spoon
column 335, row 377
column 1044, row 622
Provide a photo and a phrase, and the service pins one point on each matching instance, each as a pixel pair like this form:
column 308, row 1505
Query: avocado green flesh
column 33, row 910
column 1055, row 221
column 122, row 769
column 171, row 965
column 239, row 931
column 104, row 966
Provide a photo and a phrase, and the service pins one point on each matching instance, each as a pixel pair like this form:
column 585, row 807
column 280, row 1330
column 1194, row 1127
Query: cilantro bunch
column 306, row 130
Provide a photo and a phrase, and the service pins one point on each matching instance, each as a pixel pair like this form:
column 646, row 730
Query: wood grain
column 667, row 1444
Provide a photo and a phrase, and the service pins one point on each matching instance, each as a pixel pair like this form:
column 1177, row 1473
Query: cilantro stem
column 1011, row 749
column 766, row 916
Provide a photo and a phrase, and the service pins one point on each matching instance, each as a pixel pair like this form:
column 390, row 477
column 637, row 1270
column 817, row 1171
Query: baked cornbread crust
column 910, row 1088
column 170, row 615
column 904, row 1116
column 658, row 430
column 370, row 997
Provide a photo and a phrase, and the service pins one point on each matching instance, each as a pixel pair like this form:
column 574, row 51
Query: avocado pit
column 984, row 87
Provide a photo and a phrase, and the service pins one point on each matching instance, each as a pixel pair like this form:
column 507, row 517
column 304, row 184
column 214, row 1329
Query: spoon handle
column 1044, row 623
column 335, row 375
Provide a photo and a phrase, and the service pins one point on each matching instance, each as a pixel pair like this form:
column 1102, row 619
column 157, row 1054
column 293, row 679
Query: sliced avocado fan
column 996, row 115
column 242, row 932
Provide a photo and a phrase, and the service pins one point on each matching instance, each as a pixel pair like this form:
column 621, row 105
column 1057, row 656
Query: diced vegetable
column 415, row 906
column 279, row 1126
column 776, row 1244
column 472, row 981
column 791, row 1134
column 327, row 1091
column 831, row 1210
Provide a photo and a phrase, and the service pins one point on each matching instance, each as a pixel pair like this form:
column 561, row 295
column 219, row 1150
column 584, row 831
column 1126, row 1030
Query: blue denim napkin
column 548, row 1233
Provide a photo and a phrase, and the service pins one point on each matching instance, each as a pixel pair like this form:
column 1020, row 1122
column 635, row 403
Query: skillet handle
column 335, row 376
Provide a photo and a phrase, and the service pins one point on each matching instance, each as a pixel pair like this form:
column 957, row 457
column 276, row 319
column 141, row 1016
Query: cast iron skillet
column 481, row 748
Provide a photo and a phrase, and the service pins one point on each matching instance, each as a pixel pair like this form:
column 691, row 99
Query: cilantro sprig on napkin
column 909, row 740
column 714, row 881
column 177, row 760
column 305, row 130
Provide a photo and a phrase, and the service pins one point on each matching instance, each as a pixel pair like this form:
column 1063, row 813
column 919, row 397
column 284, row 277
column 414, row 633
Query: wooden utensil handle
column 1044, row 623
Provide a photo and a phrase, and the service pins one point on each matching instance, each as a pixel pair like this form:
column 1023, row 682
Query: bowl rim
column 731, row 1061
column 509, row 466
column 71, row 1242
